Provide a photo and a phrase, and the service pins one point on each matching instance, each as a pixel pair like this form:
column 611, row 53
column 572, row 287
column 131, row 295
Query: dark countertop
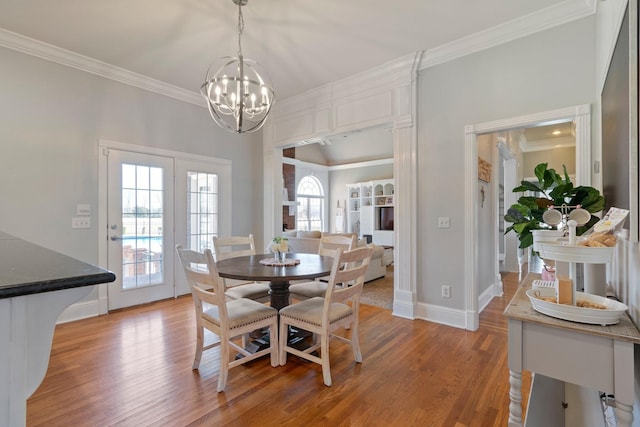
column 26, row 268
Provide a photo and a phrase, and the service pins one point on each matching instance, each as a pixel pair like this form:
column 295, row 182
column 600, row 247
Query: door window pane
column 202, row 209
column 142, row 218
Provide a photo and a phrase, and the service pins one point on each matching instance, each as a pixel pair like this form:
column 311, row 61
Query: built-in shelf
column 366, row 201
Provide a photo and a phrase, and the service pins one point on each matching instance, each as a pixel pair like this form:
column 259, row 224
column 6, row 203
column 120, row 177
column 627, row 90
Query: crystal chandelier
column 239, row 97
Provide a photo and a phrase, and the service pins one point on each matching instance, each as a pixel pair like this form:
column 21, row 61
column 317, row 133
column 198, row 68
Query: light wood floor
column 133, row 368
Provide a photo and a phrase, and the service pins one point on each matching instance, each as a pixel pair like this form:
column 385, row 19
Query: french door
column 140, row 227
column 200, row 215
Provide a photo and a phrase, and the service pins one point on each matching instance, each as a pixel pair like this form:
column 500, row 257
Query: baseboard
column 80, row 310
column 443, row 315
column 485, row 298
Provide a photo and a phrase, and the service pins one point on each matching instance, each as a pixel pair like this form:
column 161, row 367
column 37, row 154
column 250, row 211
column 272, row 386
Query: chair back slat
column 330, row 243
column 233, row 246
column 203, row 279
column 349, row 269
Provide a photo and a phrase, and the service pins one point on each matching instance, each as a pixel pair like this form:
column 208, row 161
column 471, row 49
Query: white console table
column 593, row 356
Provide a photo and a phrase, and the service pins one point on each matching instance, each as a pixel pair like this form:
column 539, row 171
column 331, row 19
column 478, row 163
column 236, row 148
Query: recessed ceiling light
column 556, row 132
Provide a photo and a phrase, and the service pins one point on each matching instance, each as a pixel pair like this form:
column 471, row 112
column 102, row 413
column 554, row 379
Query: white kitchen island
column 36, row 285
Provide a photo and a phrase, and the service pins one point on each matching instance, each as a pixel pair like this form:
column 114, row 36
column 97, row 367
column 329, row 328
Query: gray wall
column 544, row 71
column 487, row 216
column 52, row 118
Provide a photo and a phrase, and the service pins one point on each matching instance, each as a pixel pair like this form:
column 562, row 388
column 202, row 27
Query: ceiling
column 546, row 137
column 303, row 44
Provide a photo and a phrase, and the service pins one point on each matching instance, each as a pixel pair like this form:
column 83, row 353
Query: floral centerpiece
column 279, row 247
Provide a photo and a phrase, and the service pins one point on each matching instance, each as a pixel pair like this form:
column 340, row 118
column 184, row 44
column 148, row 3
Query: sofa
column 309, row 242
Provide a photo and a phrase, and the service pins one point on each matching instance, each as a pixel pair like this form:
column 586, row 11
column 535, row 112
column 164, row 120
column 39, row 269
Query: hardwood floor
column 133, row 368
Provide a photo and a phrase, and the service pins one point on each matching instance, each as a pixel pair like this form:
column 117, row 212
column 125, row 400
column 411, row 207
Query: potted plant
column 554, row 190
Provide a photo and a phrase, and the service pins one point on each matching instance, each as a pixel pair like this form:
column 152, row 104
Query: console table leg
column 515, row 394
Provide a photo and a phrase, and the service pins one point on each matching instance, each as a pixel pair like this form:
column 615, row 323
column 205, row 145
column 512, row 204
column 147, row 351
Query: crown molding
column 550, row 17
column 48, row 52
column 532, row 23
column 547, row 144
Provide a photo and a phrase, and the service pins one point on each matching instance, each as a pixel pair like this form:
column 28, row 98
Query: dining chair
column 227, row 319
column 329, row 244
column 323, row 316
column 236, row 246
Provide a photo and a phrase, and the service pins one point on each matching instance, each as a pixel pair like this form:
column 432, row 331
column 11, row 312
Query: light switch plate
column 83, row 209
column 443, row 222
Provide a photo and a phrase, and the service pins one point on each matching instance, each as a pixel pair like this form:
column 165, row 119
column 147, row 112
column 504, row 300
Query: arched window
column 310, row 198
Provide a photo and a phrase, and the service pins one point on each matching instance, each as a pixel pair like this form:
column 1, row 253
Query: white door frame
column 225, row 219
column 580, row 114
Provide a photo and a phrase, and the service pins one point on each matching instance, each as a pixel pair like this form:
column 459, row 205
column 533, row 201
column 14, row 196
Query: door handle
column 114, row 238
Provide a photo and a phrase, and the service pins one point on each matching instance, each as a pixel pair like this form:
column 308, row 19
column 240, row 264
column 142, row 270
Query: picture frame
column 484, row 170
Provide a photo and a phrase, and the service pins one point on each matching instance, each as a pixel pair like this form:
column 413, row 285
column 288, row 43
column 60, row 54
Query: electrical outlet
column 81, row 222
column 443, row 222
column 446, row 291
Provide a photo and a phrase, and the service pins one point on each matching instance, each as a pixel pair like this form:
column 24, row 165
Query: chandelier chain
column 240, row 29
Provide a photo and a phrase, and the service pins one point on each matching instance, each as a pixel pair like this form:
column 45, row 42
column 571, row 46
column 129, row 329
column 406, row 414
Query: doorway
column 151, row 199
column 140, row 200
column 478, row 294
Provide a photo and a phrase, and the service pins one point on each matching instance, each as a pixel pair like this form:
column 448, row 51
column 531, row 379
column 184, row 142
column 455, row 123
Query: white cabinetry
column 370, row 210
column 359, row 209
column 383, row 214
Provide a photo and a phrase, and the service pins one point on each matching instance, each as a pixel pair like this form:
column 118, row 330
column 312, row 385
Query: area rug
column 379, row 292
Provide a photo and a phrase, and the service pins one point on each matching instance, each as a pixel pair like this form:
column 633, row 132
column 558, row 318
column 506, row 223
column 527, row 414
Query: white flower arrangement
column 279, row 244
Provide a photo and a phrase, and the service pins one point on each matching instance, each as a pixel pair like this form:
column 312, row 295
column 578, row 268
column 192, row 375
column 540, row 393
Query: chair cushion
column 309, row 289
column 310, row 311
column 252, row 290
column 241, row 312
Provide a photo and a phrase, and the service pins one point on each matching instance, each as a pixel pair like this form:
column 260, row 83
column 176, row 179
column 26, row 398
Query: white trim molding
column 52, row 53
column 390, row 94
column 552, row 16
column 581, row 115
column 558, row 14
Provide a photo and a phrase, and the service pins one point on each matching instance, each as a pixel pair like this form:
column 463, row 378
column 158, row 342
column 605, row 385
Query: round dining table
column 249, row 267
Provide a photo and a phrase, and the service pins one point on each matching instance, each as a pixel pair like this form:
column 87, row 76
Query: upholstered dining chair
column 329, row 244
column 227, row 319
column 323, row 316
column 235, row 246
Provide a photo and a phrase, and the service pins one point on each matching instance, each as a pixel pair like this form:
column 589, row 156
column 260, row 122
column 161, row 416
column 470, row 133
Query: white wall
column 52, row 118
column 544, row 71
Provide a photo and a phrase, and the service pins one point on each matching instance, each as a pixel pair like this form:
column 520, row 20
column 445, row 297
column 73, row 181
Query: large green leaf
column 526, row 215
column 560, row 192
column 528, row 186
column 539, row 171
column 589, row 198
column 526, row 202
column 526, row 240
